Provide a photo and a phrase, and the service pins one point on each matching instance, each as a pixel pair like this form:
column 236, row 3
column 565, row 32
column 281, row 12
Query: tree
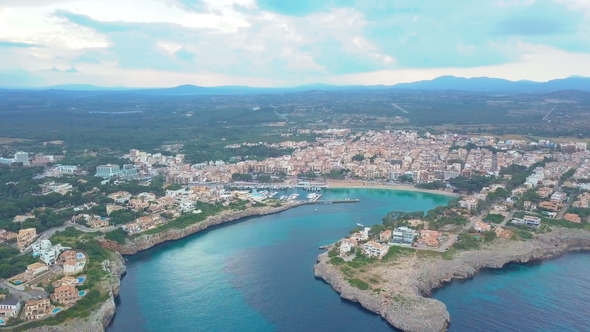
column 405, row 179
column 358, row 157
column 118, row 235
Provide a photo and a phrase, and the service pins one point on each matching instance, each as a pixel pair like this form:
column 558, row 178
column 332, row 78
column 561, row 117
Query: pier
column 343, row 201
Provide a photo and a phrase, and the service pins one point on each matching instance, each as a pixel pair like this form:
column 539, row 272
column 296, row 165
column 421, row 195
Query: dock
column 344, row 201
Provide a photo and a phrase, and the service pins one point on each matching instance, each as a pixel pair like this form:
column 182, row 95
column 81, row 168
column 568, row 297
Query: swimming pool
column 2, row 322
column 55, row 311
column 16, row 282
column 80, row 255
column 81, row 293
column 81, row 279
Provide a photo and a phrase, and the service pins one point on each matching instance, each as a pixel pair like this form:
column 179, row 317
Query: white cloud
column 235, row 36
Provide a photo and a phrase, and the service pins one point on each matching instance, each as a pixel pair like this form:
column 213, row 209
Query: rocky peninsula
column 403, row 286
column 100, row 318
column 143, row 242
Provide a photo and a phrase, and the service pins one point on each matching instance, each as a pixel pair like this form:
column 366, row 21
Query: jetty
column 342, row 201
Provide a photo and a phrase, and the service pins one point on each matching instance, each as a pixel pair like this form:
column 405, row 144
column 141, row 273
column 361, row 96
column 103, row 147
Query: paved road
column 474, row 219
column 22, row 295
column 48, row 233
column 448, row 243
column 508, row 218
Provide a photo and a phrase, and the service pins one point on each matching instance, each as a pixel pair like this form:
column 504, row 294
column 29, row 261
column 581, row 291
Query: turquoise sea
column 256, row 275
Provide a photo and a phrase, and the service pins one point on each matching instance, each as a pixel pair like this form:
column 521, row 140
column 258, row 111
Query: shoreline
column 353, row 184
column 147, row 241
column 144, row 242
column 405, row 301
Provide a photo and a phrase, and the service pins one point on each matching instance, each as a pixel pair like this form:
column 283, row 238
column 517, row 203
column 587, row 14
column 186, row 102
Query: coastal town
column 503, row 188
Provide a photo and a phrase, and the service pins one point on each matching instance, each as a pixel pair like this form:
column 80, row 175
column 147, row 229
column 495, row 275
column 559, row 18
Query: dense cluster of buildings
column 377, row 245
column 384, row 155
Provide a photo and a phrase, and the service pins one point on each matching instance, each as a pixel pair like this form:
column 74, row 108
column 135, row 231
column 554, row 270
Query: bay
column 256, row 274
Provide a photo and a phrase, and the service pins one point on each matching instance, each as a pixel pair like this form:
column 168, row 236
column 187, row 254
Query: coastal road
column 48, row 233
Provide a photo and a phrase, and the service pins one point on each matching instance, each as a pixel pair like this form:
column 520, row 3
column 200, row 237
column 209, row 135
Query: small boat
column 360, row 225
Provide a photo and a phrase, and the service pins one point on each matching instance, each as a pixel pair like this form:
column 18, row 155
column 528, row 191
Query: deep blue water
column 548, row 296
column 256, row 275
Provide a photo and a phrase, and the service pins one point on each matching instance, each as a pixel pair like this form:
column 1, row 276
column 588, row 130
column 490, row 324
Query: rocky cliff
column 143, row 242
column 402, row 297
column 100, row 318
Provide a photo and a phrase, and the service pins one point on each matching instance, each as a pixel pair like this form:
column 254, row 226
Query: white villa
column 374, row 249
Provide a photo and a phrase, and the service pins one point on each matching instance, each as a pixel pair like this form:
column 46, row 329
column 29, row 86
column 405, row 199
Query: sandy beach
column 373, row 185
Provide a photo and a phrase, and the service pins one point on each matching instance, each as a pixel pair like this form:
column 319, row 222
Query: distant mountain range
column 486, row 84
column 477, row 84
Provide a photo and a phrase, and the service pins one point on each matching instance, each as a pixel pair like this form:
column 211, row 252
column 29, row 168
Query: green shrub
column 358, row 283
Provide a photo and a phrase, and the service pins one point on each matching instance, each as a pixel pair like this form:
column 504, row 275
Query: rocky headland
column 139, row 243
column 100, row 318
column 404, row 285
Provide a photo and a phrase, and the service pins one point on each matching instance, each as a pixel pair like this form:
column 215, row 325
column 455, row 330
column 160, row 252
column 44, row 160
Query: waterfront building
column 385, row 236
column 404, row 235
column 10, row 308
column 362, row 235
column 346, row 246
column 375, row 249
column 66, row 295
column 530, row 221
column 37, row 309
column 430, row 238
column 72, row 262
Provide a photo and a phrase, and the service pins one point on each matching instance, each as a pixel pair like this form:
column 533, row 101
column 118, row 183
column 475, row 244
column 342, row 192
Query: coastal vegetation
column 118, row 235
column 494, row 218
column 97, row 284
column 11, row 263
column 207, row 210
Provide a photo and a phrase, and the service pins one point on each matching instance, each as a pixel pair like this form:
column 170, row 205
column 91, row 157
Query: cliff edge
column 143, row 242
column 404, row 285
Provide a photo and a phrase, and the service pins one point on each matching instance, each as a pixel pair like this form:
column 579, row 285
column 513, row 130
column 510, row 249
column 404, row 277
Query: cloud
column 192, row 5
column 16, row 44
column 283, row 42
column 86, row 21
column 70, row 70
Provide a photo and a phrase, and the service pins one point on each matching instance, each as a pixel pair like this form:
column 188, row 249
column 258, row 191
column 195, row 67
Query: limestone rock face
column 403, row 302
column 143, row 242
column 100, row 318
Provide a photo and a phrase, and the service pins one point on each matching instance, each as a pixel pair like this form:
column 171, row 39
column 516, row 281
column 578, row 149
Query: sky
column 275, row 43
